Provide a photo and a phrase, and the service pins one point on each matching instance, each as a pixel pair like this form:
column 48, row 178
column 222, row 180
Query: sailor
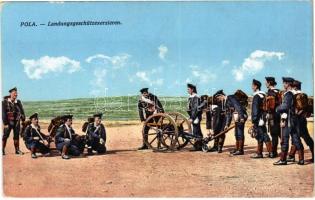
column 148, row 104
column 232, row 107
column 301, row 127
column 65, row 139
column 194, row 111
column 35, row 140
column 96, row 135
column 288, row 124
column 273, row 118
column 12, row 115
column 259, row 121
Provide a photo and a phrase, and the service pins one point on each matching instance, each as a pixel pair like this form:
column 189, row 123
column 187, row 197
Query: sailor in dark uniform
column 12, row 115
column 215, row 123
column 233, row 107
column 273, row 117
column 194, row 111
column 301, row 128
column 65, row 139
column 259, row 121
column 148, row 105
column 288, row 124
column 35, row 140
column 96, row 135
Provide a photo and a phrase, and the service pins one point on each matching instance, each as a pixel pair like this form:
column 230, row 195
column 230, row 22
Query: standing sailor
column 194, row 111
column 12, row 115
column 258, row 120
column 288, row 124
column 232, row 106
column 301, row 125
column 215, row 123
column 273, row 117
column 148, row 105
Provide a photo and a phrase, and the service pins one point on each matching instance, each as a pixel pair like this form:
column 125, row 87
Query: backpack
column 301, row 101
column 54, row 125
column 310, row 109
column 24, row 125
column 241, row 97
column 271, row 102
column 85, row 125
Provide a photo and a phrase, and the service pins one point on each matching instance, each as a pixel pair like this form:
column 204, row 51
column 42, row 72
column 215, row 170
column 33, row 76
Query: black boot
column 144, row 146
column 282, row 161
column 301, row 157
column 90, row 151
column 220, row 149
column 17, row 147
column 215, row 145
column 213, row 149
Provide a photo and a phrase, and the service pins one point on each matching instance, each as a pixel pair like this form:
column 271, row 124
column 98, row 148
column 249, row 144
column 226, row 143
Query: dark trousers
column 275, row 132
column 197, row 130
column 96, row 146
column 304, row 133
column 239, row 131
column 262, row 136
column 290, row 131
column 16, row 131
column 39, row 147
column 72, row 148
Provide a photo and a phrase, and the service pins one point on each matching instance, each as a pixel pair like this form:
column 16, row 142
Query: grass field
column 123, row 108
column 114, row 108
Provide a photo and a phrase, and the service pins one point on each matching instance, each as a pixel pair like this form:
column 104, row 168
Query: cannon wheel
column 183, row 126
column 160, row 132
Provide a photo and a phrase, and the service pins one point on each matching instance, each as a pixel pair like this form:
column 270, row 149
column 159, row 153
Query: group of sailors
column 66, row 140
column 274, row 113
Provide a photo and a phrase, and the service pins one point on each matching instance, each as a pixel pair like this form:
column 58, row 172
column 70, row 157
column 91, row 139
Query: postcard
column 157, row 99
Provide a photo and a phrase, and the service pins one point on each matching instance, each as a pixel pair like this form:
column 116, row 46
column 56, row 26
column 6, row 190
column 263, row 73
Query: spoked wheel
column 184, row 126
column 160, row 132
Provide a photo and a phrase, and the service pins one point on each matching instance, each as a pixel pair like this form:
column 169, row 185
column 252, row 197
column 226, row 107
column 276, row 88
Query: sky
column 159, row 45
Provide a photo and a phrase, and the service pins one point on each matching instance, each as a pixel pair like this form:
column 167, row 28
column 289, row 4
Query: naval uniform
column 65, row 132
column 273, row 119
column 34, row 139
column 286, row 109
column 96, row 137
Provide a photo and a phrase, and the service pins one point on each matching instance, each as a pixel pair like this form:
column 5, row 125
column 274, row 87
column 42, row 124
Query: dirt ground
column 126, row 172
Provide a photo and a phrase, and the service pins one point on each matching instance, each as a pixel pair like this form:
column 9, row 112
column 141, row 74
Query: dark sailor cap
column 143, row 90
column 193, row 87
column 13, row 89
column 271, row 80
column 218, row 93
column 287, row 79
column 98, row 115
column 35, row 115
column 257, row 83
column 65, row 117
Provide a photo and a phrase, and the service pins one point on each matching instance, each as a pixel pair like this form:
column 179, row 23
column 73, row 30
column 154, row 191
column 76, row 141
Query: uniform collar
column 259, row 92
column 33, row 126
column 292, row 91
column 193, row 95
column 15, row 101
